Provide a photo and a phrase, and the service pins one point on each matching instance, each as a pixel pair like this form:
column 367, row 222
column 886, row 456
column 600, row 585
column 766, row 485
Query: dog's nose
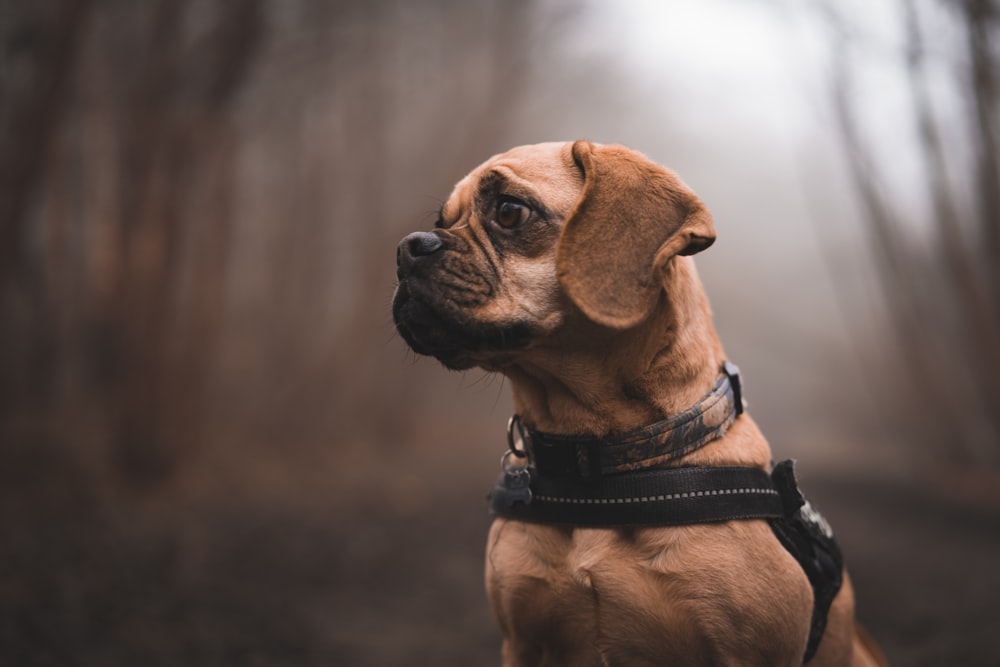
column 413, row 247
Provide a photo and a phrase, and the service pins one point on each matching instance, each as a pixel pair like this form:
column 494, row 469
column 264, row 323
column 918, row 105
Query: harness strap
column 670, row 497
column 806, row 535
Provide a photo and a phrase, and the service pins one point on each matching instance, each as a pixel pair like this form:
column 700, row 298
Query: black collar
column 589, row 458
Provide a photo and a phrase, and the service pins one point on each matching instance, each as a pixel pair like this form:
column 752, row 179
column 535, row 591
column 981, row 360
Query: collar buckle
column 732, row 371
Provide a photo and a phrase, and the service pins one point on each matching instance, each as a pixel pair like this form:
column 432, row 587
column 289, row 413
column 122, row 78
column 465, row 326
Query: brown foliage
column 201, row 201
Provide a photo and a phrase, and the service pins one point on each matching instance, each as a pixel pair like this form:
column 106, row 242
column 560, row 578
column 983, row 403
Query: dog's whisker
column 496, row 401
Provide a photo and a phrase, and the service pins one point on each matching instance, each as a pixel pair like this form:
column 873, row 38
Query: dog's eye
column 511, row 213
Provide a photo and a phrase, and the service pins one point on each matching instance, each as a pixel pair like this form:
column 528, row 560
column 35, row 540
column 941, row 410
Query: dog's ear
column 631, row 219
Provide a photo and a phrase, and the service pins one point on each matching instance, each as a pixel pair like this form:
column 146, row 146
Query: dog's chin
column 456, row 340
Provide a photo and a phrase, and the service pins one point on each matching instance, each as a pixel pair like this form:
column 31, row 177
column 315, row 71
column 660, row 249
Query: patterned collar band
column 589, row 457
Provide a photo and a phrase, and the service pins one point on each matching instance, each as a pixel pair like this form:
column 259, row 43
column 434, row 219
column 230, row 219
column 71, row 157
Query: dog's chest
column 610, row 595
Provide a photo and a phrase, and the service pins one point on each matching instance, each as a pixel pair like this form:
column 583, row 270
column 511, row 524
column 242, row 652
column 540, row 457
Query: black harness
column 587, row 481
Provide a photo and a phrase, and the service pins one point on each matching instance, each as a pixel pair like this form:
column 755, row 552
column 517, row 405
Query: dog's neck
column 612, row 381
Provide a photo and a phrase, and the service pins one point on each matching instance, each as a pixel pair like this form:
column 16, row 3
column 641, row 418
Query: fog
column 214, row 447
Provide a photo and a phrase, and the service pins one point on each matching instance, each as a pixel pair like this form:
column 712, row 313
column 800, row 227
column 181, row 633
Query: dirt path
column 368, row 584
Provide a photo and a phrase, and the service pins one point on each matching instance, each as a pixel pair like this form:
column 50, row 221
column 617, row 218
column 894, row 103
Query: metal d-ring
column 505, row 463
column 512, row 448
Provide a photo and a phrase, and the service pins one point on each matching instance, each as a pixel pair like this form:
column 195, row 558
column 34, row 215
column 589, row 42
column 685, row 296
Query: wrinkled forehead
column 538, row 173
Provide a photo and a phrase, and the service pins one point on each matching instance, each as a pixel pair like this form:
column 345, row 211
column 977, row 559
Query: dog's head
column 537, row 236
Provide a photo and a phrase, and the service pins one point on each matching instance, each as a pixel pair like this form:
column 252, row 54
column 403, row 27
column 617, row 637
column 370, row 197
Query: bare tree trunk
column 978, row 316
column 944, row 303
column 981, row 21
column 51, row 35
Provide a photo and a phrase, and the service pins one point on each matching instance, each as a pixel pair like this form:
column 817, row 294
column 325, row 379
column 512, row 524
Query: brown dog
column 564, row 266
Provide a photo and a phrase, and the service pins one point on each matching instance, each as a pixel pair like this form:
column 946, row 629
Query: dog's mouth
column 433, row 326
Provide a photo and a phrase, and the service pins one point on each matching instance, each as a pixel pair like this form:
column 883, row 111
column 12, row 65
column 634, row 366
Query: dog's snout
column 413, row 247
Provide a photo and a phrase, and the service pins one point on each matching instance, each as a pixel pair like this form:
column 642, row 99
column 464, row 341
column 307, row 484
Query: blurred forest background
column 214, row 450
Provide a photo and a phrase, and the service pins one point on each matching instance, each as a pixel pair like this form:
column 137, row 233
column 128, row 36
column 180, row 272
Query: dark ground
column 362, row 580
